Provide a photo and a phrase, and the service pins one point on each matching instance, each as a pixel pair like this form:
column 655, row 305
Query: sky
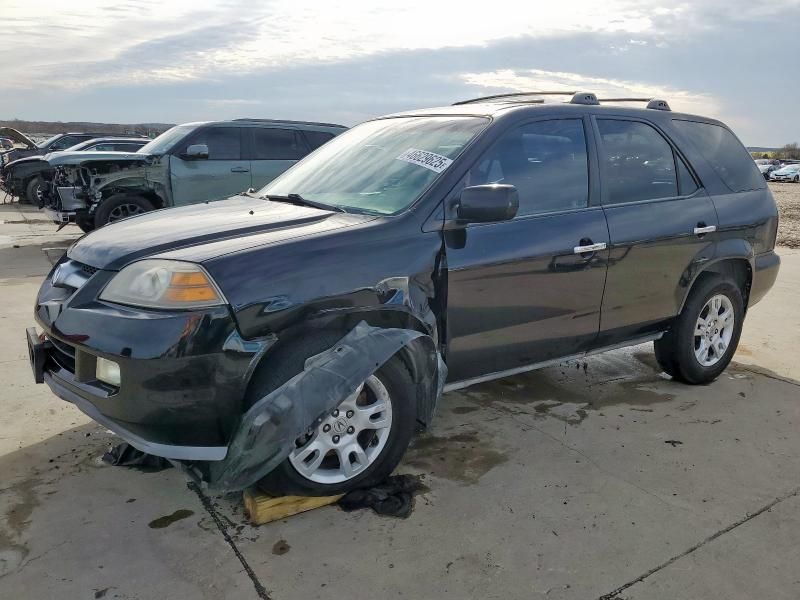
column 177, row 61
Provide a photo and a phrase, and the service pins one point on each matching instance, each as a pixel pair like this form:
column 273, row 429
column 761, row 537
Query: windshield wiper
column 300, row 201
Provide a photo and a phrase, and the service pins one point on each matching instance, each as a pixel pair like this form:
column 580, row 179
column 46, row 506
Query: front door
column 661, row 224
column 221, row 175
column 528, row 290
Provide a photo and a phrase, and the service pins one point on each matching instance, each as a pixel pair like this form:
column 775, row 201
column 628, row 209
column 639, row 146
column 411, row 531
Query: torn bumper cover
column 268, row 430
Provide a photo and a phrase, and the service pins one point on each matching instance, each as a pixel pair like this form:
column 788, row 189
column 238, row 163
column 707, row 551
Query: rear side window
column 223, row 143
column 725, row 153
column 546, row 161
column 278, row 144
column 317, row 138
column 638, row 162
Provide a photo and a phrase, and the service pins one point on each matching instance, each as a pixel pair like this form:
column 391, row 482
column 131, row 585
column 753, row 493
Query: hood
column 203, row 231
column 57, row 159
column 23, row 161
column 16, row 136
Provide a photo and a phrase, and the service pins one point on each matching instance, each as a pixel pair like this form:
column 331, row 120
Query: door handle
column 702, row 229
column 239, row 170
column 589, row 248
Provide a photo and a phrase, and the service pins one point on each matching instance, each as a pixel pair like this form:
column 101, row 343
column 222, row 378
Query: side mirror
column 488, row 203
column 196, row 151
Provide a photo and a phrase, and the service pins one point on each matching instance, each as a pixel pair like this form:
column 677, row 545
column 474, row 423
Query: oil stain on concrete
column 463, row 457
column 16, row 520
column 168, row 520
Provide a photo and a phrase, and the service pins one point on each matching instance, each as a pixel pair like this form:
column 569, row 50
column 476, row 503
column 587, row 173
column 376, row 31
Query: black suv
column 298, row 335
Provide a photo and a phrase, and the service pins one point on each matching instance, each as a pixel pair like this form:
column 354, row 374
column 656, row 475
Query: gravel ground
column 787, row 195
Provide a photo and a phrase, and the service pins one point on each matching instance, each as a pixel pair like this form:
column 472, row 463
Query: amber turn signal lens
column 192, row 286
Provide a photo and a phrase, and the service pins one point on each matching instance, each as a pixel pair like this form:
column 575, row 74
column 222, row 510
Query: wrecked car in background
column 25, row 146
column 298, row 336
column 25, row 177
column 191, row 163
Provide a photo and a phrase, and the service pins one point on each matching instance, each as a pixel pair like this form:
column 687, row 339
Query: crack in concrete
column 614, row 595
column 209, row 508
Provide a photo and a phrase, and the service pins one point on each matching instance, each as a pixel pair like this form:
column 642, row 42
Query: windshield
column 762, row 161
column 166, row 140
column 380, row 166
column 49, row 141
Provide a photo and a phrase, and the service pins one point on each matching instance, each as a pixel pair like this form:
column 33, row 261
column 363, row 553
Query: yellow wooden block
column 261, row 508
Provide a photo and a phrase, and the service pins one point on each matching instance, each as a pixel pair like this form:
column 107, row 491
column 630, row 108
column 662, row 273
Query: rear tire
column 381, row 456
column 705, row 335
column 120, row 206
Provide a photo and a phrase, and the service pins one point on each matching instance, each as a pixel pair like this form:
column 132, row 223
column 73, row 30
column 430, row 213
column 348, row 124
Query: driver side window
column 546, row 161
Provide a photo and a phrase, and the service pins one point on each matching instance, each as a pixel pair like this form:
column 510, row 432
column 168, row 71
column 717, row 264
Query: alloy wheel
column 713, row 330
column 123, row 211
column 349, row 439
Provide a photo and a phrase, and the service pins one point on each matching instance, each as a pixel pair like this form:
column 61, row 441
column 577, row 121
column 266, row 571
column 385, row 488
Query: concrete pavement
column 586, row 480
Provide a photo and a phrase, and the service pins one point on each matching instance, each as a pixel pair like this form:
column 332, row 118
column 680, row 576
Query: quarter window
column 278, row 144
column 546, row 161
column 727, row 156
column 638, row 162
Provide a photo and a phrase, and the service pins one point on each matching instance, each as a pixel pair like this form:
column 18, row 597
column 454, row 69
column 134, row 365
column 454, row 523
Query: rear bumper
column 764, row 275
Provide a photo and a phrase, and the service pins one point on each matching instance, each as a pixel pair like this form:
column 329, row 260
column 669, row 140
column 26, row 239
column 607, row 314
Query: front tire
column 359, row 444
column 705, row 335
column 120, row 206
column 33, row 191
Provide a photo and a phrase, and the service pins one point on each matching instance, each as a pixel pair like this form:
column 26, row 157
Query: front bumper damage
column 267, row 432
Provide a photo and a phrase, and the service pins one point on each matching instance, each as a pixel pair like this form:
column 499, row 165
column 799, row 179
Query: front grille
column 88, row 269
column 63, row 354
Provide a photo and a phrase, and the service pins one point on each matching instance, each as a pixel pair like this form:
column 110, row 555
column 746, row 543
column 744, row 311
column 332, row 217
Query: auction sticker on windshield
column 423, row 158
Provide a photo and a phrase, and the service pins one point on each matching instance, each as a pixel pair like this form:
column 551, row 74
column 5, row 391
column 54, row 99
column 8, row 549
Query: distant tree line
column 53, row 127
column 789, row 151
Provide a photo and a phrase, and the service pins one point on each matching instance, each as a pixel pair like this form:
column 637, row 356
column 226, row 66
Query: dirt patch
column 463, row 457
column 787, row 197
column 280, row 547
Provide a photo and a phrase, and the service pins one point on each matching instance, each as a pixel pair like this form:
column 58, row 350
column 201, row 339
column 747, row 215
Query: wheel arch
column 414, row 355
column 738, row 268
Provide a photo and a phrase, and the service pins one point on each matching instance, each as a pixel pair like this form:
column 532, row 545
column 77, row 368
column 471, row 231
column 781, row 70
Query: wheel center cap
column 339, row 425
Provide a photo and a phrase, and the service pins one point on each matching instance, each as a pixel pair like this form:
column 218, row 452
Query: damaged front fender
column 267, row 432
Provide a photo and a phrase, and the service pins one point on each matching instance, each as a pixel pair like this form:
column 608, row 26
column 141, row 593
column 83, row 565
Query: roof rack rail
column 288, row 121
column 586, row 98
column 652, row 103
column 514, row 95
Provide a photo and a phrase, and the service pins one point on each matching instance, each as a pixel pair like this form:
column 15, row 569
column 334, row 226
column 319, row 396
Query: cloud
column 537, row 79
column 179, row 61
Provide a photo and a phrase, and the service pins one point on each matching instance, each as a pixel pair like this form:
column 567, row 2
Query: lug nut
column 349, row 414
column 336, row 412
column 351, row 429
column 336, row 439
column 326, row 428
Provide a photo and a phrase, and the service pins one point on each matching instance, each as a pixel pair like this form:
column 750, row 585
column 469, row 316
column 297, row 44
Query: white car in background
column 787, row 173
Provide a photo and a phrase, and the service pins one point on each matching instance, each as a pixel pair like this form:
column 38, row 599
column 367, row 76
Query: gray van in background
column 190, row 163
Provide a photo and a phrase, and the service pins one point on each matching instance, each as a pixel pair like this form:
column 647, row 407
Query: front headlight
column 163, row 284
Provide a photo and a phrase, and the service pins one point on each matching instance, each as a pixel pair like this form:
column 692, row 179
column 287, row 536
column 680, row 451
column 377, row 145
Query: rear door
column 661, row 223
column 224, row 173
column 528, row 290
column 273, row 150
